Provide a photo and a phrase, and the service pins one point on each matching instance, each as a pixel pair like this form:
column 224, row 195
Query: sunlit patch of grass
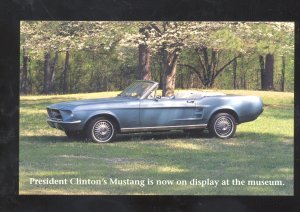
column 49, row 173
column 184, row 145
column 269, row 97
column 76, row 157
column 286, row 170
column 231, row 142
column 62, row 191
column 134, row 167
column 71, row 96
column 32, row 111
column 170, row 169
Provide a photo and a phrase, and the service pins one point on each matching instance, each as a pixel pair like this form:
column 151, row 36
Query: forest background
column 93, row 56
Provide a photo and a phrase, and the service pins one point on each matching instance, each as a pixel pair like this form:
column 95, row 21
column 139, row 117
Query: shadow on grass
column 50, row 139
column 121, row 137
column 157, row 136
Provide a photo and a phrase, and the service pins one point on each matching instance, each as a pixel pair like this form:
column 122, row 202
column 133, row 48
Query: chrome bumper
column 64, row 125
column 63, row 122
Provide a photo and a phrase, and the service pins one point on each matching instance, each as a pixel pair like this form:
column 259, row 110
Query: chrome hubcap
column 223, row 126
column 102, row 130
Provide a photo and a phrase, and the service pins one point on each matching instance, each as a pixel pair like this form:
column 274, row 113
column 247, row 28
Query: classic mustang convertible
column 138, row 108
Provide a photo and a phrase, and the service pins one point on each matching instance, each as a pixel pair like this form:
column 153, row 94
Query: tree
column 49, row 72
column 78, row 56
column 169, row 39
column 234, row 65
column 267, row 72
column 24, row 72
column 169, row 71
column 144, row 70
column 208, row 66
column 66, row 36
column 282, row 79
column 271, row 39
column 66, row 72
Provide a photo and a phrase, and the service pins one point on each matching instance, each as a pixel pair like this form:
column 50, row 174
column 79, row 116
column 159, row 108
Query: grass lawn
column 160, row 163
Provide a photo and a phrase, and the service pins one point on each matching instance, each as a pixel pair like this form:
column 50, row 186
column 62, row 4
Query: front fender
column 99, row 113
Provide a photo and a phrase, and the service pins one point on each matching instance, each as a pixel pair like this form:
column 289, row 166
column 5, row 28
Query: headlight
column 54, row 114
column 67, row 114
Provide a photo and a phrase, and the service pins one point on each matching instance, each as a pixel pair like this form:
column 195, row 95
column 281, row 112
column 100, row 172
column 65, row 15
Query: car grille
column 54, row 114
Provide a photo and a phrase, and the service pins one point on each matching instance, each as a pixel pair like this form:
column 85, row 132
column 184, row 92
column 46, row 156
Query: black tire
column 74, row 134
column 101, row 130
column 222, row 125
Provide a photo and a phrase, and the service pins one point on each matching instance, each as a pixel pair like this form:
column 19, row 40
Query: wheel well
column 229, row 111
column 108, row 116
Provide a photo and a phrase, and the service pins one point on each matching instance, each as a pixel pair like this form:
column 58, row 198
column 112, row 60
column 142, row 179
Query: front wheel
column 101, row 130
column 222, row 125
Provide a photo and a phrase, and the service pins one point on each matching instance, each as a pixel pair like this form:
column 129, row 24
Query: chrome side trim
column 64, row 122
column 162, row 128
column 166, row 107
column 188, row 119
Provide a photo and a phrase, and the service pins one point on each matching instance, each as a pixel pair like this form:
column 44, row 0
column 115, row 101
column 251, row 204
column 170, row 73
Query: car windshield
column 136, row 89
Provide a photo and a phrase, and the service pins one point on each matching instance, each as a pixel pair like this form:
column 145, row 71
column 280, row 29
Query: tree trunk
column 243, row 74
column 234, row 65
column 47, row 73
column 66, row 73
column 29, row 78
column 211, row 68
column 161, row 72
column 169, row 77
column 282, row 80
column 24, row 74
column 269, row 72
column 262, row 71
column 52, row 73
column 144, row 71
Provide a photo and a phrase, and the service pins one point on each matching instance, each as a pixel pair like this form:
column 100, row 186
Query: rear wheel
column 222, row 125
column 101, row 130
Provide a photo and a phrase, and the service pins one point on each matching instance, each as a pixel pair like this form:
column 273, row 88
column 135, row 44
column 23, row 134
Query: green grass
column 260, row 150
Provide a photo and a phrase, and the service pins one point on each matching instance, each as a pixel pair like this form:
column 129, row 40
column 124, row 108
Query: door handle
column 190, row 101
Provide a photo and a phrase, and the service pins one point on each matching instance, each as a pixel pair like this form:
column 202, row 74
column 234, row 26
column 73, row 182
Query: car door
column 167, row 112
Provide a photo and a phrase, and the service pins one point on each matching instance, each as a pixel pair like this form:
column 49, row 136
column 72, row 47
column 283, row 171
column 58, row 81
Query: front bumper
column 65, row 125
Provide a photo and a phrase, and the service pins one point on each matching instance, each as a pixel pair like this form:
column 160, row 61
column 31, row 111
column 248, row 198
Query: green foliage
column 104, row 55
column 226, row 40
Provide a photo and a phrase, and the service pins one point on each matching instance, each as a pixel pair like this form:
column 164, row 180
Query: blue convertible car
column 138, row 108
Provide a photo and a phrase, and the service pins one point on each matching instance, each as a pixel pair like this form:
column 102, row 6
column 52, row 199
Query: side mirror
column 157, row 98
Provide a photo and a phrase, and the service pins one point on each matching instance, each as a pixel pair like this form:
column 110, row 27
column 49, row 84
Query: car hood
column 73, row 104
